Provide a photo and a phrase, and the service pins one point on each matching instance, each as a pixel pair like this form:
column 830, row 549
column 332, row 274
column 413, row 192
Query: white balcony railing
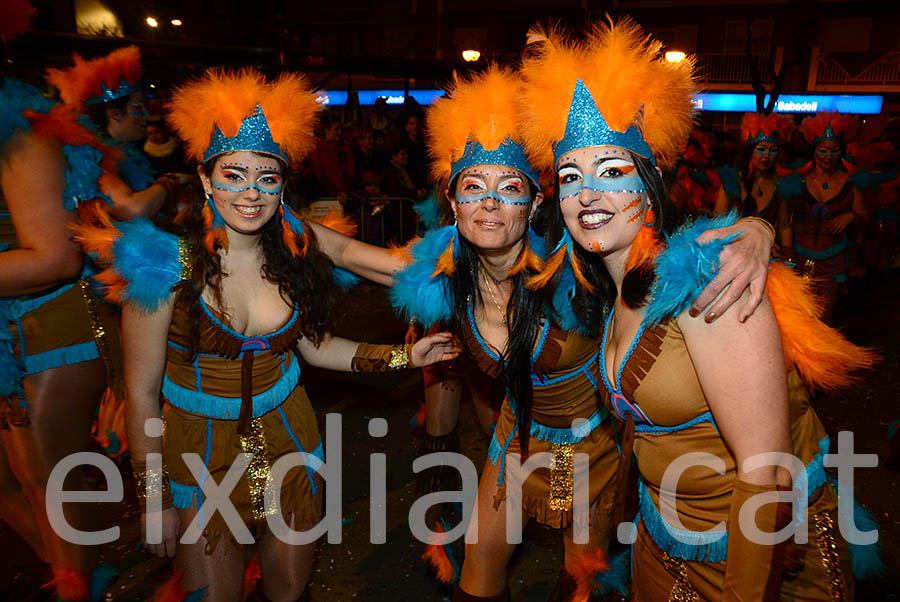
column 731, row 68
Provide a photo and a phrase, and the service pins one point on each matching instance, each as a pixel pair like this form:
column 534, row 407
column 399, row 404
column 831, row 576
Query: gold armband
column 371, row 358
column 158, row 481
column 763, row 222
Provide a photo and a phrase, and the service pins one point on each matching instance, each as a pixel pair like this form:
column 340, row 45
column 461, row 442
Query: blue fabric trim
column 62, row 356
column 567, row 435
column 496, row 452
column 582, row 369
column 309, row 471
column 709, row 546
column 656, row 429
column 824, row 254
column 481, row 341
column 243, row 337
column 228, row 408
column 184, row 496
column 198, row 377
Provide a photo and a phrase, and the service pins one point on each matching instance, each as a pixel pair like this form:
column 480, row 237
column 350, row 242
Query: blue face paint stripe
column 477, row 198
column 627, row 184
column 228, row 188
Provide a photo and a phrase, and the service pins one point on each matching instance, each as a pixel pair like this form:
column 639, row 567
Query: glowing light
column 152, row 85
column 675, row 56
column 471, row 55
column 176, row 22
column 152, row 22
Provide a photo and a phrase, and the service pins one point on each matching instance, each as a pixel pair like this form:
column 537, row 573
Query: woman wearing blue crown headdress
column 699, row 401
column 215, row 321
column 473, row 277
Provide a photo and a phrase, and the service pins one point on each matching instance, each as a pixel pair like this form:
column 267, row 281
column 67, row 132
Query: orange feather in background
column 83, row 80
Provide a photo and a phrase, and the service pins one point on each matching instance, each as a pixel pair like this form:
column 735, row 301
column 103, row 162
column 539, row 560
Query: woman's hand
column 440, row 347
column 743, row 264
column 170, row 525
column 840, row 223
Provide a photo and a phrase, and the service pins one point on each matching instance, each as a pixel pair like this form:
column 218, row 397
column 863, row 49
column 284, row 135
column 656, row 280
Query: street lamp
column 152, row 22
column 470, row 56
column 176, row 22
column 675, row 56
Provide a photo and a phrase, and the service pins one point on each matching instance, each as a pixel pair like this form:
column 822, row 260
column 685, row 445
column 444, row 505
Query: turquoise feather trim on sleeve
column 147, row 258
column 730, row 181
column 791, row 185
column 82, row 176
column 686, row 266
column 415, row 292
column 16, row 98
column 135, row 169
column 344, row 279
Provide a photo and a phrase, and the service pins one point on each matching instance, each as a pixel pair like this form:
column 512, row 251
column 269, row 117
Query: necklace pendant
column 503, row 320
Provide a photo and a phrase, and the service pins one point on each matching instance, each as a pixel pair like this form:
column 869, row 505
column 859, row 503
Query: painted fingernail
column 694, row 312
column 710, row 317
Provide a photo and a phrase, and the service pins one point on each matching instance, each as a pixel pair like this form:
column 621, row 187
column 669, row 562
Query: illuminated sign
column 790, row 103
column 710, row 101
column 367, row 98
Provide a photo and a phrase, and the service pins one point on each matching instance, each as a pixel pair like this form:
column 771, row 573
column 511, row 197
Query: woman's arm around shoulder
column 374, row 263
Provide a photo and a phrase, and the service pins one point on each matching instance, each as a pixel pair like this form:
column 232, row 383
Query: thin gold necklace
column 490, row 290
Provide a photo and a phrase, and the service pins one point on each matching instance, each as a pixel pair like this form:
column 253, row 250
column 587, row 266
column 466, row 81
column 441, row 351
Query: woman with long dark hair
column 215, row 319
column 700, row 401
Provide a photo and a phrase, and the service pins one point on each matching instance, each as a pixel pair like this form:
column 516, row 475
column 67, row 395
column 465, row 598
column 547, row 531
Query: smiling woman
column 217, row 328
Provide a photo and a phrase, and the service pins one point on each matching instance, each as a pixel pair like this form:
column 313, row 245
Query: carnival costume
column 756, row 128
column 226, row 393
column 696, row 185
column 820, row 254
column 616, row 90
column 478, row 125
column 68, row 323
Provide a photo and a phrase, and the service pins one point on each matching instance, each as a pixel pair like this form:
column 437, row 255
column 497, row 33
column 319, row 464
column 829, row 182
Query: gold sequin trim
column 184, row 258
column 681, row 590
column 254, row 443
column 97, row 327
column 562, row 475
column 809, row 268
column 830, row 557
column 399, row 357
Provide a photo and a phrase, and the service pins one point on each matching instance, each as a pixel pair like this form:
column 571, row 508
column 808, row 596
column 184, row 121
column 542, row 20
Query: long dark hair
column 305, row 282
column 590, row 308
column 523, row 315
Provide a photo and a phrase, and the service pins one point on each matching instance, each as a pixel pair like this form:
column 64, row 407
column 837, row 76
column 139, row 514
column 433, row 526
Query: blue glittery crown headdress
column 254, row 135
column 477, row 124
column 126, row 88
column 586, row 126
column 508, row 153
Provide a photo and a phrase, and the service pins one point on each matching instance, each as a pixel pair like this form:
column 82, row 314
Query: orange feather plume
column 772, row 125
column 69, row 584
column 83, row 80
column 583, row 568
column 17, row 15
column 528, row 260
column 646, row 245
column 821, row 354
column 844, row 126
column 626, row 74
column 445, row 264
column 481, row 108
column 551, row 267
column 436, row 557
column 225, row 98
column 403, row 252
column 337, row 221
column 579, row 272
